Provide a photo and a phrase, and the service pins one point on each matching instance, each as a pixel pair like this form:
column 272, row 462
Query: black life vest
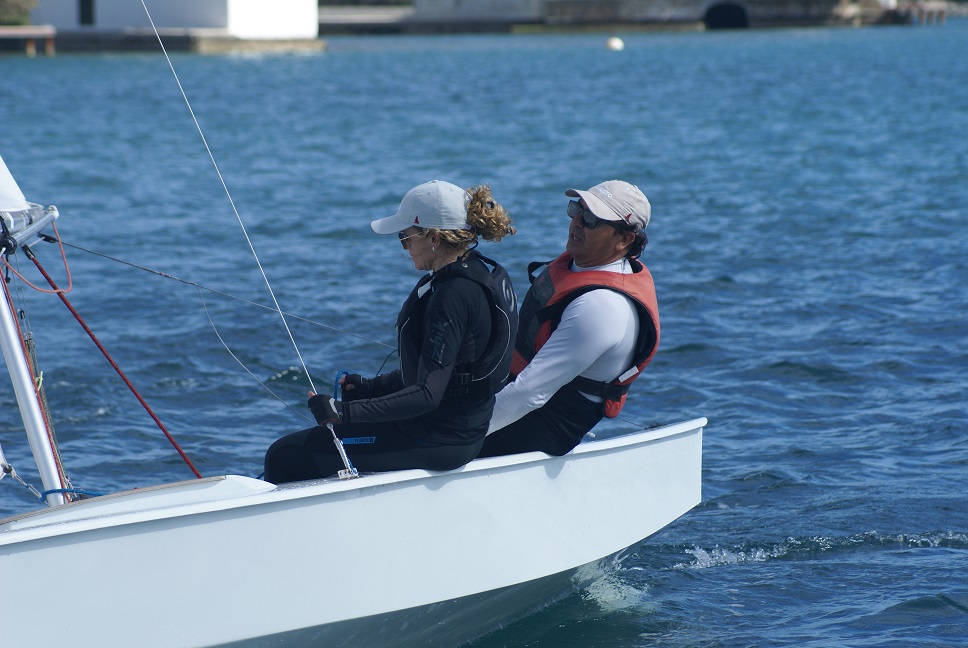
column 489, row 372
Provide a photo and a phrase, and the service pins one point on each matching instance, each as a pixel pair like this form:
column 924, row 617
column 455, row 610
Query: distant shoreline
column 346, row 20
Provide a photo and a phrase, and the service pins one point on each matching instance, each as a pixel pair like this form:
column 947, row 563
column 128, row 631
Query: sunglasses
column 590, row 220
column 403, row 239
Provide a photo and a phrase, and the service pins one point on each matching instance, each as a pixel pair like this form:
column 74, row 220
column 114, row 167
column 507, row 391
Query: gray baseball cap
column 616, row 200
column 436, row 204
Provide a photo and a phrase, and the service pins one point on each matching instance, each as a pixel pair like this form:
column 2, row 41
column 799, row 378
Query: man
column 587, row 327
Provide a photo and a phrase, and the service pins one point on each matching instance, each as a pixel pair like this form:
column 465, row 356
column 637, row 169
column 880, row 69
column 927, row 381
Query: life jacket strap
column 604, row 390
column 463, row 385
column 533, row 268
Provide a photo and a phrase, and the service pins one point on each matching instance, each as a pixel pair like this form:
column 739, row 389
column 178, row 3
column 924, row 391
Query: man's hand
column 324, row 408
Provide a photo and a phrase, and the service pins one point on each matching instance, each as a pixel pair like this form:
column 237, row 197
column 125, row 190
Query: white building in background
column 247, row 19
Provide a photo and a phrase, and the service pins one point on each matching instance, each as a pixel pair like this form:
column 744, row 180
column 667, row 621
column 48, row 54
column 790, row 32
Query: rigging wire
column 70, row 279
column 228, row 194
column 7, row 469
column 165, row 275
column 200, row 288
column 242, row 364
column 30, row 356
column 90, row 333
column 350, row 471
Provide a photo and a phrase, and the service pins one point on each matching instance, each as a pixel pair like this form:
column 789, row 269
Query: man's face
column 593, row 242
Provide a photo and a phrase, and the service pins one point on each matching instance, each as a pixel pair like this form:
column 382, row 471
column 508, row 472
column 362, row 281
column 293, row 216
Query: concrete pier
column 29, row 35
column 201, row 41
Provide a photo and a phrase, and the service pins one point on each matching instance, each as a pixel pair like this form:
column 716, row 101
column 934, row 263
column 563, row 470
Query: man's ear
column 628, row 238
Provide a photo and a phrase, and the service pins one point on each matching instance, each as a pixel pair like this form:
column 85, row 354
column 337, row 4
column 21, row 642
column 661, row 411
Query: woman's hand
column 354, row 387
column 325, row 409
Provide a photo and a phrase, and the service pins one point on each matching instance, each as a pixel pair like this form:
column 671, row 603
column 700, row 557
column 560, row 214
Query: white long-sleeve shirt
column 595, row 339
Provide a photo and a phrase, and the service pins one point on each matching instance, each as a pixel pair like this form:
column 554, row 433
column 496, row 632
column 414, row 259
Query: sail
column 11, row 198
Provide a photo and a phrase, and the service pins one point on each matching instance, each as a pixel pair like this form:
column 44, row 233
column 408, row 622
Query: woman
column 455, row 337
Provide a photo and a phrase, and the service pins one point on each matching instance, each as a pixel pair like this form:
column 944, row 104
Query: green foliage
column 16, row 12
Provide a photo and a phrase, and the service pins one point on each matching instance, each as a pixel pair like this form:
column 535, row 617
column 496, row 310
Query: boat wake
column 805, row 548
column 606, row 584
column 611, row 594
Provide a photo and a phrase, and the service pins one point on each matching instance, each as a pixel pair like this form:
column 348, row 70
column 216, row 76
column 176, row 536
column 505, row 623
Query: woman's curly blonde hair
column 486, row 218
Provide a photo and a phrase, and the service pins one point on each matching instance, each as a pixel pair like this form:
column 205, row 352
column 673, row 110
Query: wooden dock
column 30, row 34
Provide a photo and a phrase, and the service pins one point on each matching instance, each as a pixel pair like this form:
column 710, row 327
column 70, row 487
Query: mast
column 21, row 222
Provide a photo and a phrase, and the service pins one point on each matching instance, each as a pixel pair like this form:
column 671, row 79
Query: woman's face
column 421, row 248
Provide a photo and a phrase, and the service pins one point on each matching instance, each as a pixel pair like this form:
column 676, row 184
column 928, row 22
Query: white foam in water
column 613, row 595
column 794, row 548
column 608, row 591
column 720, row 556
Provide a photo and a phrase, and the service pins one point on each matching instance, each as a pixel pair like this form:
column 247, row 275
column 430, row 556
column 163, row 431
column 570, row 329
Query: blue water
column 808, row 244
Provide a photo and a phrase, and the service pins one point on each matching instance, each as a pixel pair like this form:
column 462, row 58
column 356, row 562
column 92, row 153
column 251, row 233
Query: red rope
column 113, row 364
column 61, row 473
column 70, row 280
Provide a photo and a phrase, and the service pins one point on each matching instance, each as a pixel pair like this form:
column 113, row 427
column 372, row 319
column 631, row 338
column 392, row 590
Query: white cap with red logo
column 616, row 200
column 436, row 204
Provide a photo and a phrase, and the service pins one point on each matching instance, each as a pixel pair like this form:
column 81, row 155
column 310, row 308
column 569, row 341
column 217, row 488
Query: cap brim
column 389, row 225
column 598, row 207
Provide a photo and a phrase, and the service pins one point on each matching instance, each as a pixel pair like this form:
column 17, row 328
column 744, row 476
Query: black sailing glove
column 325, row 409
column 355, row 387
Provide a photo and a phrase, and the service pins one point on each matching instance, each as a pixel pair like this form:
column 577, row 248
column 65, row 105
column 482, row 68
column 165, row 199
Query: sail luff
column 11, row 198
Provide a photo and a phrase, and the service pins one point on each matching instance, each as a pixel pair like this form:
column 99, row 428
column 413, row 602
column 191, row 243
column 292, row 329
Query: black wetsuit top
column 455, row 339
column 445, row 323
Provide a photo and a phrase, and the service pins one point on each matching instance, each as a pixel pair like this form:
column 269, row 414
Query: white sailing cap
column 436, row 204
column 616, row 200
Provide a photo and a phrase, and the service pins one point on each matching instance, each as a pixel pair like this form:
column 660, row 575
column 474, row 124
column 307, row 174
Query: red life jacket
column 555, row 288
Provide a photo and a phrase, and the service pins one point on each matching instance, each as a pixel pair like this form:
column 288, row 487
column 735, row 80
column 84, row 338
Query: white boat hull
column 448, row 623
column 411, row 558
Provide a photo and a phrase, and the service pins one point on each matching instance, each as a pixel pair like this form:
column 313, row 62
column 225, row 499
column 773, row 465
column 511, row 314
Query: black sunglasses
column 403, row 239
column 590, row 220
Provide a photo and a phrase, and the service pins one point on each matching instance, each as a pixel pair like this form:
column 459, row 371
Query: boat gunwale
column 310, row 489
